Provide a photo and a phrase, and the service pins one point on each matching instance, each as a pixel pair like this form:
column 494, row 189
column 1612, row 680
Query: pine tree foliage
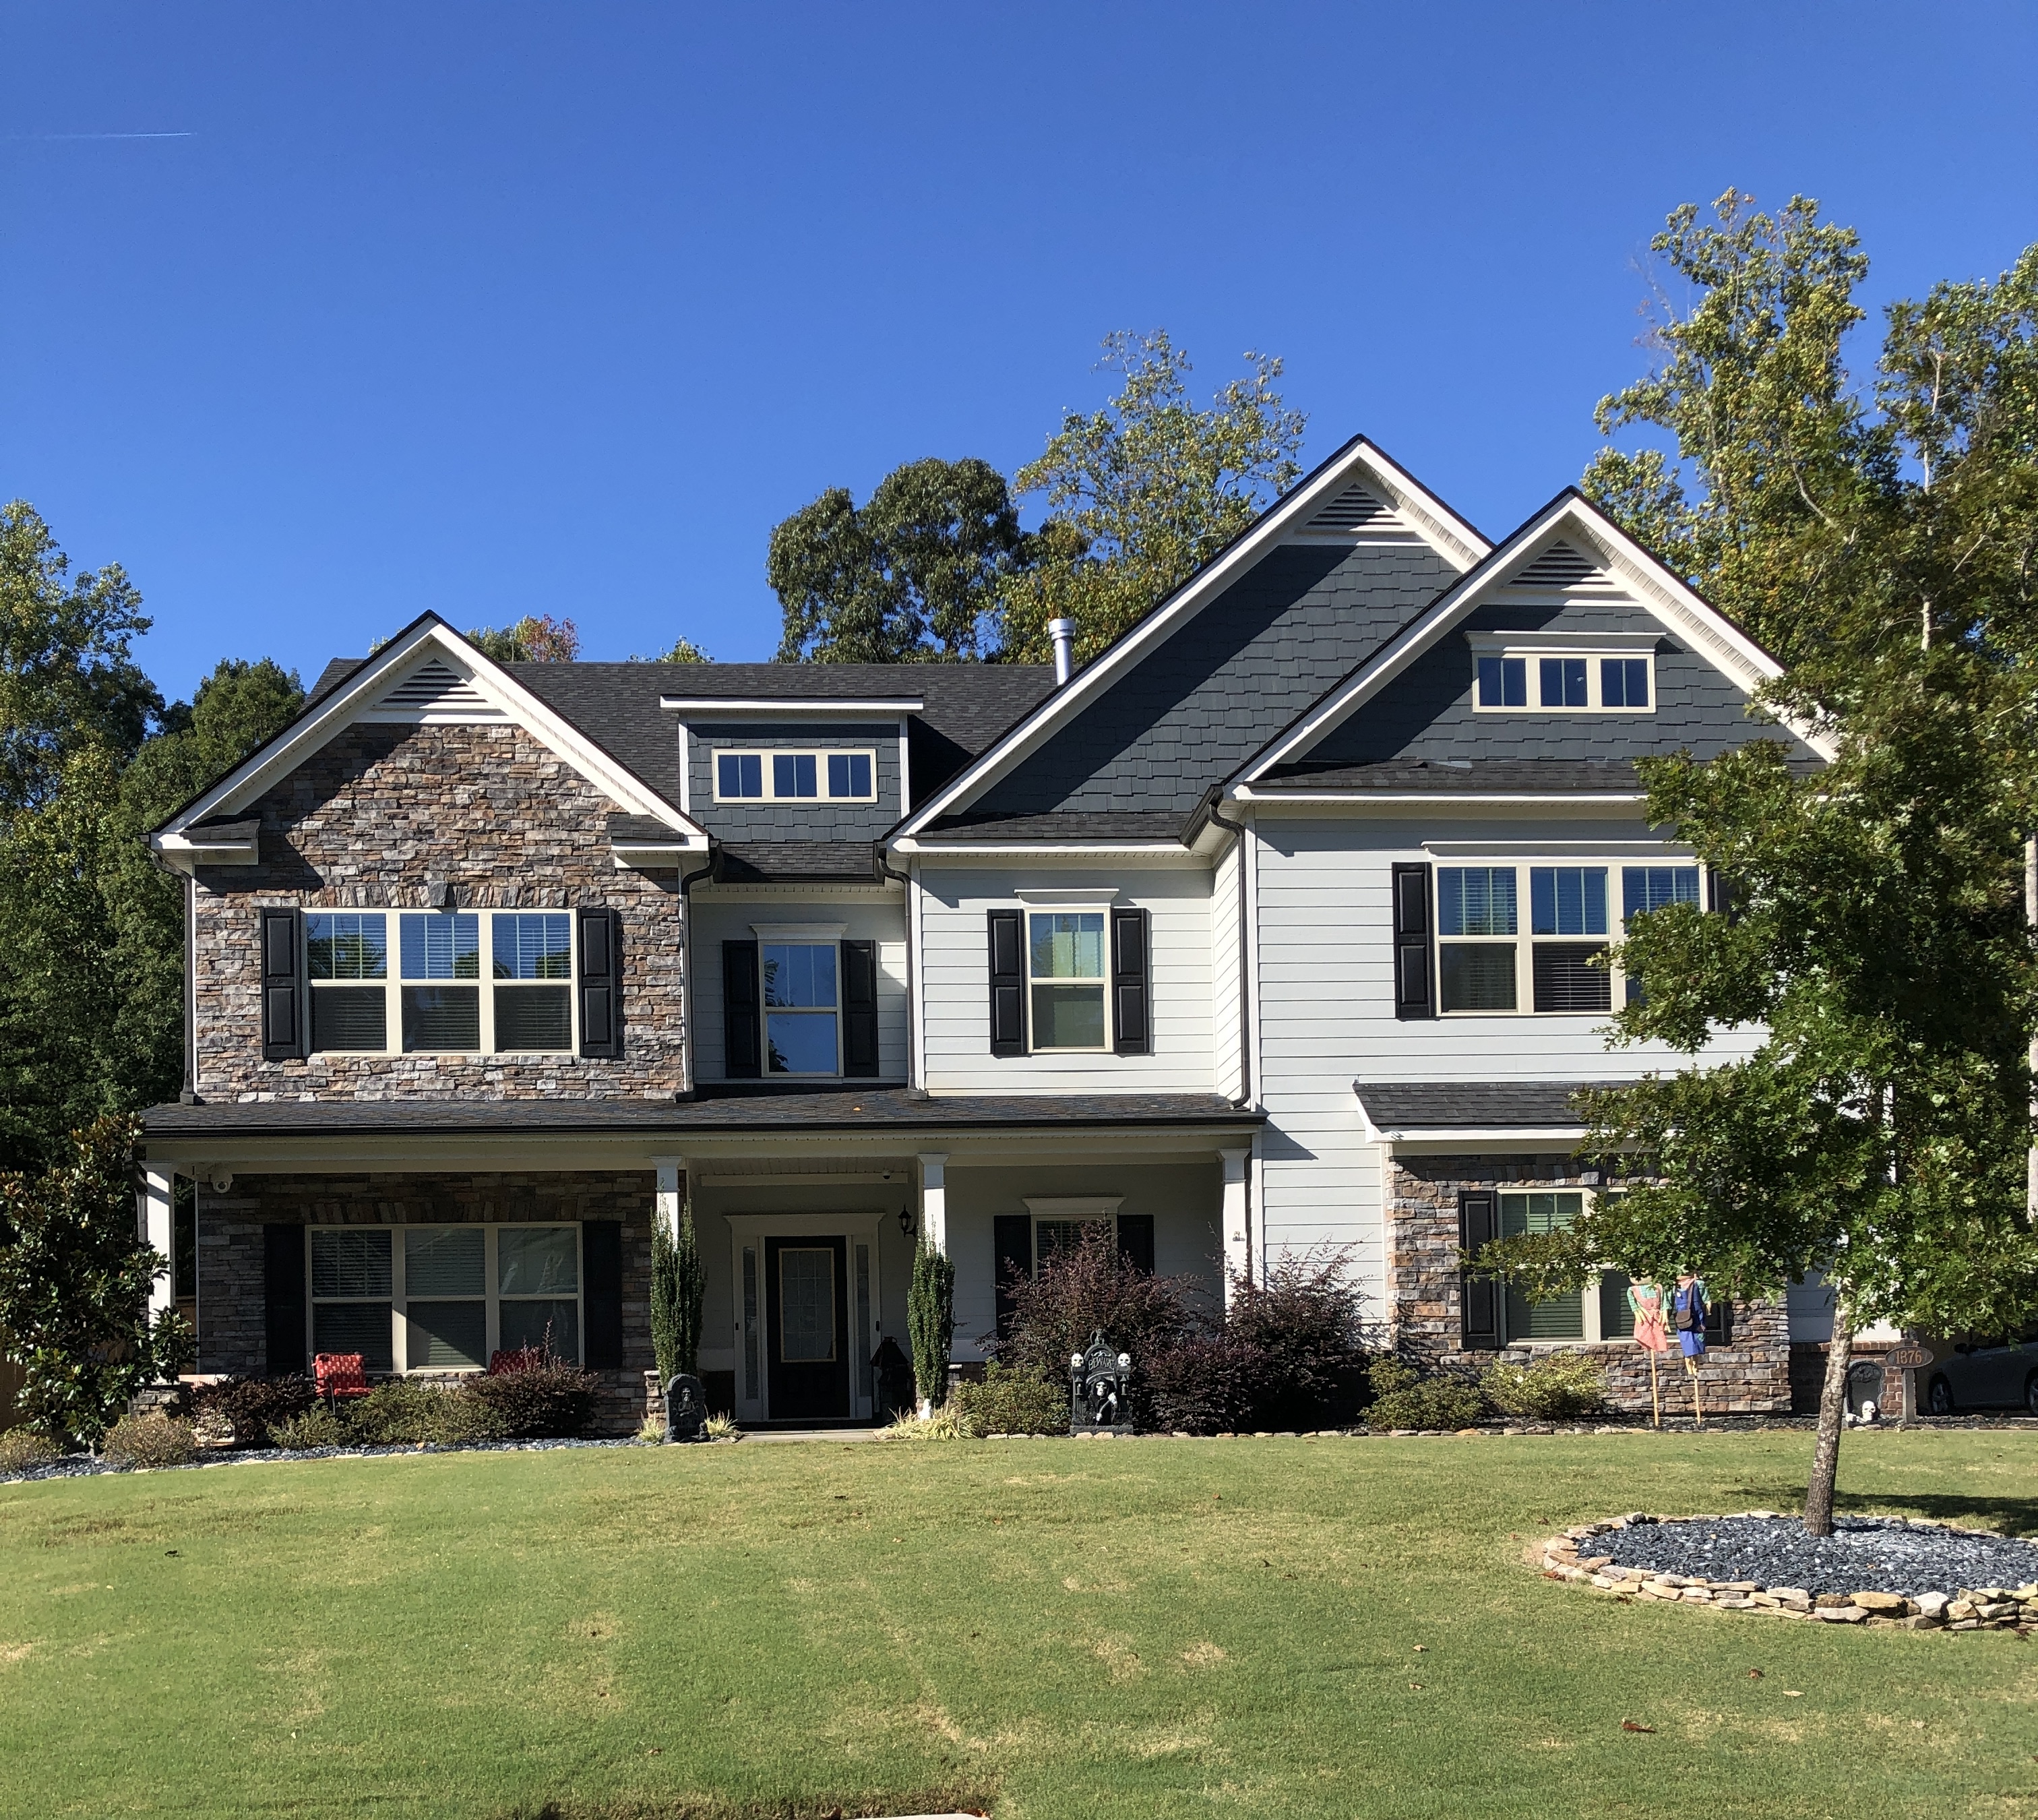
column 930, row 1321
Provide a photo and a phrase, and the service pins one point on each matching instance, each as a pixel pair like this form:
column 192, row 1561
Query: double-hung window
column 431, row 1000
column 1065, row 963
column 1477, row 925
column 1598, row 1312
column 779, row 776
column 1569, row 975
column 802, row 1007
column 445, row 1298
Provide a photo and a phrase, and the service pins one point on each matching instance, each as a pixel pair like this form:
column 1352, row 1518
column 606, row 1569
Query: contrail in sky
column 100, row 135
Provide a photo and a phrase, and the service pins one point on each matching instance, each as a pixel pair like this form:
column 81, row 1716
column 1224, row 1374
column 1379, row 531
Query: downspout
column 886, row 870
column 1245, row 986
column 687, row 881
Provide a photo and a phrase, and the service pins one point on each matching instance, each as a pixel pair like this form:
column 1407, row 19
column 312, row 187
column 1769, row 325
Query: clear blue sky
column 510, row 308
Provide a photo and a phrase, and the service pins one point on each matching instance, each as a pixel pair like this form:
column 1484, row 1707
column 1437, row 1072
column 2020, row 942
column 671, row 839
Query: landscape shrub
column 1403, row 1400
column 23, row 1450
column 151, row 1440
column 317, row 1427
column 1555, row 1388
column 406, row 1411
column 723, row 1428
column 1012, row 1401
column 941, row 1426
column 250, row 1407
column 544, row 1399
column 1088, row 1287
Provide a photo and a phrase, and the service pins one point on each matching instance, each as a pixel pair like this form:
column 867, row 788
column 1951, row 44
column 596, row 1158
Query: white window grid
column 768, row 773
column 394, row 981
column 1525, row 940
column 400, row 1320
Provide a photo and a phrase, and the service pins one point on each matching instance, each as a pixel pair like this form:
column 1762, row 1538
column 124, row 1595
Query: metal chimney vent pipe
column 1063, row 633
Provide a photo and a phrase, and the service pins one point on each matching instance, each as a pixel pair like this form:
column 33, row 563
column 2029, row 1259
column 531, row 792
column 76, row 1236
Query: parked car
column 1984, row 1375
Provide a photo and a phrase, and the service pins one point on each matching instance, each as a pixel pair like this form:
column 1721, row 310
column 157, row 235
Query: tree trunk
column 1832, row 1419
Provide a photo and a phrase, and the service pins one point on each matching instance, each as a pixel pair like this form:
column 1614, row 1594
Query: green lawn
column 1059, row 1627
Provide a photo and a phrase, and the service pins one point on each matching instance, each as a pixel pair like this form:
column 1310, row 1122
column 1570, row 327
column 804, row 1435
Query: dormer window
column 1535, row 674
column 786, row 776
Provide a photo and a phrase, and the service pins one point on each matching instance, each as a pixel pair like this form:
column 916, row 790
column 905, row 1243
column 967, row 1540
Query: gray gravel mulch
column 1863, row 1554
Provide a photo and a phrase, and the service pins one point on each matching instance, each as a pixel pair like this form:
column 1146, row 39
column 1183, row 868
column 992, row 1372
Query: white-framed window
column 1581, row 682
column 1066, row 980
column 779, row 776
column 1488, row 962
column 445, row 1298
column 1600, row 1311
column 432, row 1000
column 802, row 985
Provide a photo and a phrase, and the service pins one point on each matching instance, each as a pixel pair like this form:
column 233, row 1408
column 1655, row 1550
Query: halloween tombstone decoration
column 1100, row 1389
column 686, row 1408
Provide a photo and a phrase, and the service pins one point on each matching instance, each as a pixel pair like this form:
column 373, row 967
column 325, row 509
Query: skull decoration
column 1100, row 1389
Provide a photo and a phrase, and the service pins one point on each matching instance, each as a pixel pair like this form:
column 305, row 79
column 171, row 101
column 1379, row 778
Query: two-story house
column 1271, row 930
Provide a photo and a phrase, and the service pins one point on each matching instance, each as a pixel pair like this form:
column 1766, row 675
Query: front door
column 808, row 1290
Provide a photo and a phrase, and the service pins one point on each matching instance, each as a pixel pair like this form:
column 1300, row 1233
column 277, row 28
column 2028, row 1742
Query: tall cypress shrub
column 678, row 1292
column 930, row 1321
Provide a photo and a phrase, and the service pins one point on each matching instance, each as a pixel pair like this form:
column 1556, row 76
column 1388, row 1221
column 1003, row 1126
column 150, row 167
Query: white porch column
column 159, row 1187
column 934, row 1198
column 671, row 1173
column 1237, row 1243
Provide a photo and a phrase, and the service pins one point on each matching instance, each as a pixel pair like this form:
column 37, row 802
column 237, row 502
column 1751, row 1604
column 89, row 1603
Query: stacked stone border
column 1568, row 1556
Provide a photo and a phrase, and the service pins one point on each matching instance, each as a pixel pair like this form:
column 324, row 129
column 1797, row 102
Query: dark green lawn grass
column 1128, row 1628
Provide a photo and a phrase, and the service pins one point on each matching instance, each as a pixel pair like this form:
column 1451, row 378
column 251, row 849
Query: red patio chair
column 340, row 1374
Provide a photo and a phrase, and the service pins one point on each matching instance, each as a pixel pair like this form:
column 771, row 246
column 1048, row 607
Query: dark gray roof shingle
column 1508, row 776
column 1124, row 824
column 797, row 862
column 1470, row 1106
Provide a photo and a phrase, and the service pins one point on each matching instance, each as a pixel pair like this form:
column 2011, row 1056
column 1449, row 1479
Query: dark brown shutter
column 1008, row 985
column 859, row 1009
column 1136, row 1241
column 742, row 1034
column 1132, row 982
column 282, row 987
column 1012, row 1241
column 283, row 1297
column 602, row 1289
column 1478, row 1296
column 1413, row 947
column 600, row 983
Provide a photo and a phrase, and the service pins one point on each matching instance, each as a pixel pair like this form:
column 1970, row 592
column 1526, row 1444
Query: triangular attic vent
column 434, row 691
column 1561, row 566
column 1353, row 512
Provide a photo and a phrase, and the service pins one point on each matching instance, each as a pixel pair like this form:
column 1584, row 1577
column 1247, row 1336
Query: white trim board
column 1680, row 610
column 428, row 640
column 1453, row 539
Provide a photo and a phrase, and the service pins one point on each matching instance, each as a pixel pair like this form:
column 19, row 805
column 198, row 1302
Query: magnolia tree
column 1879, row 931
column 74, row 1282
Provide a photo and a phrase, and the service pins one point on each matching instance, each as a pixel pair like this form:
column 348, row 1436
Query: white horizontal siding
column 955, row 984
column 866, row 919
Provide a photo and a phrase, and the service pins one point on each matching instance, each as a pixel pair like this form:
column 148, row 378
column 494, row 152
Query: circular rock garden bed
column 1882, row 1571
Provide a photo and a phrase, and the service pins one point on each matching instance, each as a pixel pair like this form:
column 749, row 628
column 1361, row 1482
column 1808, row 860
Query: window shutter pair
column 1132, row 982
column 282, row 985
column 1479, row 1296
column 743, row 1011
column 600, row 983
column 1414, row 943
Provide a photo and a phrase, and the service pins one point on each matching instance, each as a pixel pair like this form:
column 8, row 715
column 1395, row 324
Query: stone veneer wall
column 1751, row 1375
column 233, row 1330
column 375, row 821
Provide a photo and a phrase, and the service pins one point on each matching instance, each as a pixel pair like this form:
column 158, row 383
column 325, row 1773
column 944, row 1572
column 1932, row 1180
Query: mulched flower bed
column 1875, row 1570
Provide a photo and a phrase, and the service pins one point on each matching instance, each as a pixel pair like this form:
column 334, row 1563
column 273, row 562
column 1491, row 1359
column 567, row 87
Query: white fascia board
column 1457, row 1137
column 187, row 852
column 1438, row 799
column 1148, row 853
column 1456, row 541
column 1658, row 591
column 723, row 707
column 433, row 637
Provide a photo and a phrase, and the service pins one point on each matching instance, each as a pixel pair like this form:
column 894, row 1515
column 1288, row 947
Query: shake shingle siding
column 1233, row 677
column 1427, row 711
column 816, row 818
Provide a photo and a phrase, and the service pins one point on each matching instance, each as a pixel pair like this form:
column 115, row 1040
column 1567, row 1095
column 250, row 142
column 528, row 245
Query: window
column 801, row 1008
column 1484, row 965
column 1475, row 920
column 1561, row 1317
column 341, row 950
column 445, row 1298
column 439, row 1004
column 779, row 776
column 1564, row 682
column 1065, row 970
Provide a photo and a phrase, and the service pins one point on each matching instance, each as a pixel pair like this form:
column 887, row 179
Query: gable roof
column 1330, row 503
column 1570, row 544
column 427, row 672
